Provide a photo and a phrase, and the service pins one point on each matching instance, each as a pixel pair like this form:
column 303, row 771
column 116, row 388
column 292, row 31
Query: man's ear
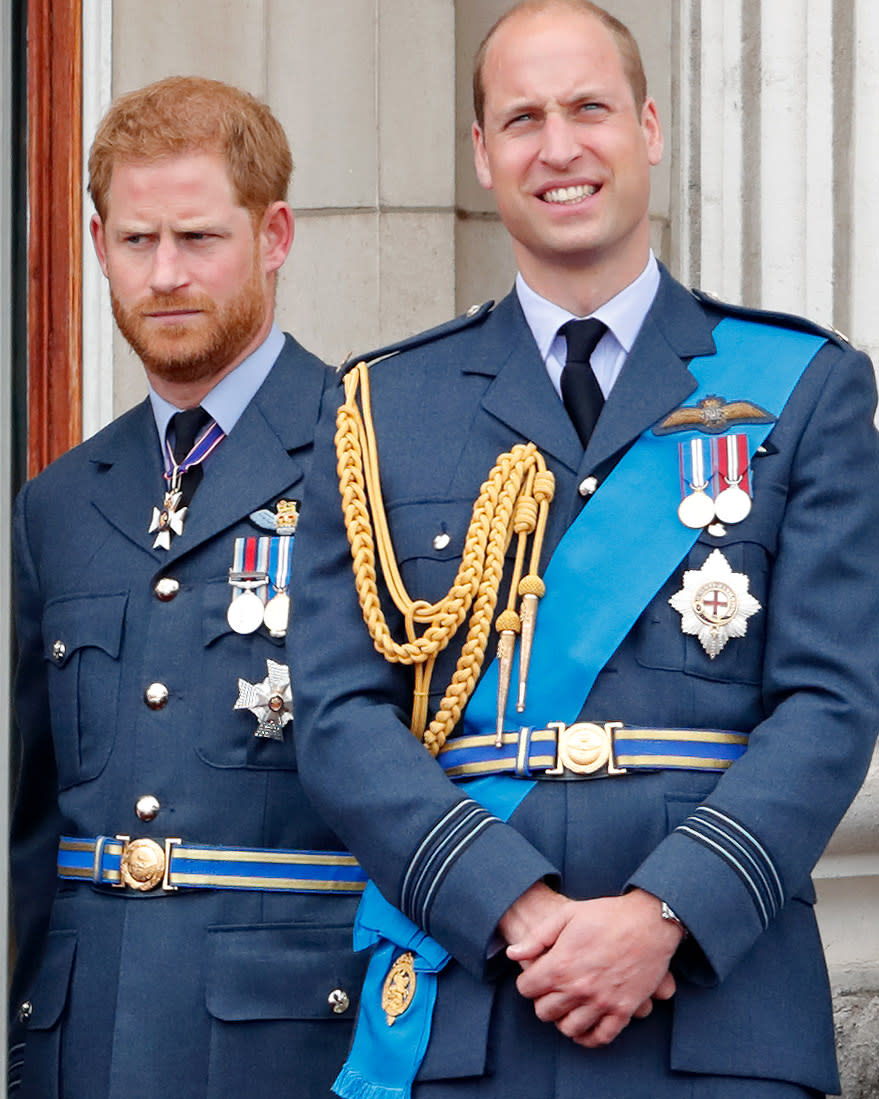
column 96, row 227
column 276, row 235
column 480, row 157
column 652, row 130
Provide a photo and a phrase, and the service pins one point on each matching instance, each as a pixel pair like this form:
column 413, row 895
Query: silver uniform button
column 339, row 1001
column 59, row 651
column 587, row 486
column 147, row 807
column 441, row 541
column 156, row 696
column 166, row 588
column 25, row 1011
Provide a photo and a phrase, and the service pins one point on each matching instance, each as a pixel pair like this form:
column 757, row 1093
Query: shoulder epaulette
column 472, row 316
column 774, row 317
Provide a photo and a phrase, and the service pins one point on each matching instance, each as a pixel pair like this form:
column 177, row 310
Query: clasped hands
column 591, row 966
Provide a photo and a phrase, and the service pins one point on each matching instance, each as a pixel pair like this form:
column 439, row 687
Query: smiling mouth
column 569, row 195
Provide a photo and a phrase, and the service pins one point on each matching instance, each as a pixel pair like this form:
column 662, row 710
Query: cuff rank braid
column 513, row 501
column 740, row 848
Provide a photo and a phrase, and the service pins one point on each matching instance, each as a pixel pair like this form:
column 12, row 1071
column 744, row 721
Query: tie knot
column 582, row 338
column 187, row 426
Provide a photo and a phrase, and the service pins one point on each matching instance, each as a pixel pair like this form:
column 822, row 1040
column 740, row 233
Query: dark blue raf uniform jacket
column 193, row 994
column 752, row 996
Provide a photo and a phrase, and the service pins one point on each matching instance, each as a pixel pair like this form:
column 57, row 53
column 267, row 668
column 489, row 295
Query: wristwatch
column 668, row 913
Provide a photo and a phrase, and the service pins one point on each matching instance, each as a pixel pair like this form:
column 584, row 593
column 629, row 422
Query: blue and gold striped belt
column 169, row 864
column 590, row 749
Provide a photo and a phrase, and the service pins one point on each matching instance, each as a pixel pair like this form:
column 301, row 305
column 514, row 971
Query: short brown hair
column 625, row 40
column 188, row 114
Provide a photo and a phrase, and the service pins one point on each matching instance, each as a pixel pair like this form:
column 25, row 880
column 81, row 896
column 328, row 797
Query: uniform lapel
column 655, row 378
column 128, row 482
column 521, row 395
column 252, row 466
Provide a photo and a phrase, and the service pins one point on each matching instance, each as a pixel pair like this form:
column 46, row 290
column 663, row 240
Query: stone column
column 775, row 208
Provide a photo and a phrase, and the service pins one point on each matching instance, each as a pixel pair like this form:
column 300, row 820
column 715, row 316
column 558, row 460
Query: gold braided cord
column 513, row 499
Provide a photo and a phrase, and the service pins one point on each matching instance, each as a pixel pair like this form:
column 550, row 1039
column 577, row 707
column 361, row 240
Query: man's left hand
column 600, row 964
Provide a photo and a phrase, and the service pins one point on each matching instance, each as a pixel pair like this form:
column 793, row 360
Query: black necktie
column 187, row 427
column 581, row 392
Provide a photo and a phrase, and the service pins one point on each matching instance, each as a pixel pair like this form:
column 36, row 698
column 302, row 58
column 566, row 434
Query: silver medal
column 245, row 613
column 732, row 505
column 696, row 510
column 277, row 614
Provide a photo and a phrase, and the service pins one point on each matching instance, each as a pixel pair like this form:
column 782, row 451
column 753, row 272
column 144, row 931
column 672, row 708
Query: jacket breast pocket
column 282, row 999
column 660, row 640
column 227, row 735
column 82, row 637
column 428, row 538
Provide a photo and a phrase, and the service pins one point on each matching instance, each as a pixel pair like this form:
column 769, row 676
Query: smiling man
column 182, row 918
column 636, row 818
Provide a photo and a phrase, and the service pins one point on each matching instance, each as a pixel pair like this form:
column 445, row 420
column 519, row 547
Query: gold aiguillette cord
column 514, row 500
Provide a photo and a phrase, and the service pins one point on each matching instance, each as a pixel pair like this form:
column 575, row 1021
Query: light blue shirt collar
column 232, row 394
column 623, row 314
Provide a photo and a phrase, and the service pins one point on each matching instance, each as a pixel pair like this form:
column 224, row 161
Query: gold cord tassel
column 514, row 499
column 508, row 627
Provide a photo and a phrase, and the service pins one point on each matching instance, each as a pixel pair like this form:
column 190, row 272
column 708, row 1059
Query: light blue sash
column 384, row 1059
column 604, row 572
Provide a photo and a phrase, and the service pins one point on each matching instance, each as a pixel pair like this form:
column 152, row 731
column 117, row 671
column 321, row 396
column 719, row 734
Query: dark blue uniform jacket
column 192, row 994
column 753, row 996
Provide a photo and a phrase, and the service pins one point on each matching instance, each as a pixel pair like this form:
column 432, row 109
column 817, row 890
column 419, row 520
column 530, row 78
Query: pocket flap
column 49, row 993
column 435, row 529
column 282, row 972
column 459, row 1034
column 83, row 621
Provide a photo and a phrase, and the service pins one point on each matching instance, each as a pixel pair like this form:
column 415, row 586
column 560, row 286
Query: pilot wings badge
column 713, row 416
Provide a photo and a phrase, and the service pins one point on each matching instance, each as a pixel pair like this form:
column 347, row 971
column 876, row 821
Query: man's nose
column 168, row 272
column 560, row 142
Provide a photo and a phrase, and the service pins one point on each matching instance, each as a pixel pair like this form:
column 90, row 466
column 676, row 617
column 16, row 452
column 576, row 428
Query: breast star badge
column 714, row 603
column 270, row 701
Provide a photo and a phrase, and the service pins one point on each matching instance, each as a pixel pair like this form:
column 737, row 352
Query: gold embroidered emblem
column 287, row 516
column 712, row 415
column 398, row 990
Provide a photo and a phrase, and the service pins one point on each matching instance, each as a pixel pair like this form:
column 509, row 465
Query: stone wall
column 766, row 196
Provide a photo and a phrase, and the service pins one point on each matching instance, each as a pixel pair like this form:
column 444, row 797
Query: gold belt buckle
column 585, row 748
column 145, row 864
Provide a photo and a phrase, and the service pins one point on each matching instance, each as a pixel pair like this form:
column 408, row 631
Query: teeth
column 569, row 194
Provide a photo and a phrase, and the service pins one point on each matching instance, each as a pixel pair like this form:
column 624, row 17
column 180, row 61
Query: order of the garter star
column 714, row 603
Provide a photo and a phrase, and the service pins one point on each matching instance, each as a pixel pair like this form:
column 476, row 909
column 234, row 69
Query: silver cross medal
column 270, row 701
column 168, row 520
